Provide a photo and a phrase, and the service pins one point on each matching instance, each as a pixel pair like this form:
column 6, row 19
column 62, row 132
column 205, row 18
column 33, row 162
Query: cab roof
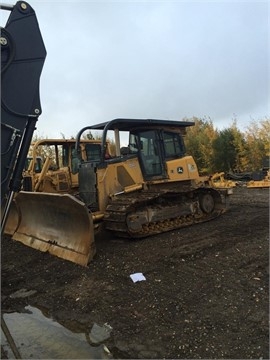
column 126, row 124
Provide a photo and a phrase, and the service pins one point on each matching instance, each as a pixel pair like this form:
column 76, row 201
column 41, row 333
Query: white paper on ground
column 137, row 277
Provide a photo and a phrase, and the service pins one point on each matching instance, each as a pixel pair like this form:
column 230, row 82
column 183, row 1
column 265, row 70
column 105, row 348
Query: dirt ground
column 206, row 293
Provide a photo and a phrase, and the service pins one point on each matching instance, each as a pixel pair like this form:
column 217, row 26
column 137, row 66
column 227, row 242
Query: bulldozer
column 149, row 187
column 56, row 171
column 52, row 167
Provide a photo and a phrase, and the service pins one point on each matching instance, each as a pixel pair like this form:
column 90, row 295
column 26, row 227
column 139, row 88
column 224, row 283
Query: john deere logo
column 180, row 170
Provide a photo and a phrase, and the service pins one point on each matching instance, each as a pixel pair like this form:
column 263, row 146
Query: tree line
column 228, row 150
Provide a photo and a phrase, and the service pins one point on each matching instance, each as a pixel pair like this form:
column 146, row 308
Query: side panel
column 182, row 169
column 115, row 177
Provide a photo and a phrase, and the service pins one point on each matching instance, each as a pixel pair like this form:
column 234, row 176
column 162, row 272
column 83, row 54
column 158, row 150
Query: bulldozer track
column 171, row 211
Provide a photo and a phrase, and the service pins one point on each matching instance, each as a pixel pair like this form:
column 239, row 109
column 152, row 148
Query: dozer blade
column 12, row 219
column 57, row 223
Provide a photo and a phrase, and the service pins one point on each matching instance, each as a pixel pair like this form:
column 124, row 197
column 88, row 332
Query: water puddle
column 39, row 337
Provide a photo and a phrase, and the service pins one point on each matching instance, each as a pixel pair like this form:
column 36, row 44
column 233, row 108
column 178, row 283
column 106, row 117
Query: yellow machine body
column 147, row 188
column 218, row 181
column 265, row 183
column 52, row 165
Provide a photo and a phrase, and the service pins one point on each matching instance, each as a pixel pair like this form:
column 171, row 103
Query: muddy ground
column 205, row 295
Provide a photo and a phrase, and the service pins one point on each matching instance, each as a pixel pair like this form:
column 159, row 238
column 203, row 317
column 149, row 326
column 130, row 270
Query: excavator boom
column 22, row 57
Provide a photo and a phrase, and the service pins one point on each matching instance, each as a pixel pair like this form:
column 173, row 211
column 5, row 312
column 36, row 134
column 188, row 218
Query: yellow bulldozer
column 149, row 187
column 52, row 164
column 218, row 180
column 52, row 167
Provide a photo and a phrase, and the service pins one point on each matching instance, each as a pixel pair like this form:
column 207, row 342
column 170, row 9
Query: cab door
column 147, row 144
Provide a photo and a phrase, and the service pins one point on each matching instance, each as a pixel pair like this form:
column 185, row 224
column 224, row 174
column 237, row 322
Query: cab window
column 173, row 145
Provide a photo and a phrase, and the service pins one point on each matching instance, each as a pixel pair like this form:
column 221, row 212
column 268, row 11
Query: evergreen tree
column 225, row 152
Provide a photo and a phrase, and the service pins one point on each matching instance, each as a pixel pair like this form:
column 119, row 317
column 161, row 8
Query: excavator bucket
column 57, row 223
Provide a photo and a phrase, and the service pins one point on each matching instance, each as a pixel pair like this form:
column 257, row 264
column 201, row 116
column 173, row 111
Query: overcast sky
column 152, row 59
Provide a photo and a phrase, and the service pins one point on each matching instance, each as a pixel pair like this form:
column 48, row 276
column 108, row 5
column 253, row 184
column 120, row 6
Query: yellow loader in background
column 151, row 186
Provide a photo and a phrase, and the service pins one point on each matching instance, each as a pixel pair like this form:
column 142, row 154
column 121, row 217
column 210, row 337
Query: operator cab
column 154, row 147
column 153, row 141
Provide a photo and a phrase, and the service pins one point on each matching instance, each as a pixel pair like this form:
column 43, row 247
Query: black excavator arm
column 22, row 57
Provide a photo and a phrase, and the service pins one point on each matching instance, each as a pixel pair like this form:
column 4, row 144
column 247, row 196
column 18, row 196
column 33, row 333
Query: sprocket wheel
column 207, row 203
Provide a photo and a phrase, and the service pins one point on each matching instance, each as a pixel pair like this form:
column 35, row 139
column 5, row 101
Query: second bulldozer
column 151, row 186
column 52, row 164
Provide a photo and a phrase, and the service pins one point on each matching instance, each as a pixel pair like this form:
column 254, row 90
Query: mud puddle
column 39, row 337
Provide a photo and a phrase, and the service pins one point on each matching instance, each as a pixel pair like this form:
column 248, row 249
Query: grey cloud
column 152, row 59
